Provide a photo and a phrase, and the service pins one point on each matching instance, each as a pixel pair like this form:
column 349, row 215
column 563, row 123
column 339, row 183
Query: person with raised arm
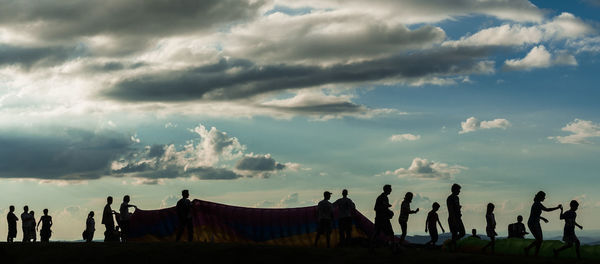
column 108, row 220
column 569, row 236
column 533, row 222
column 125, row 216
column 404, row 213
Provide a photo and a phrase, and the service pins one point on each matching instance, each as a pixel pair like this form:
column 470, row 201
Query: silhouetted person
column 474, row 234
column 107, row 220
column 25, row 222
column 517, row 230
column 345, row 210
column 32, row 231
column 490, row 228
column 11, row 219
column 383, row 214
column 404, row 212
column 431, row 224
column 90, row 227
column 325, row 217
column 125, row 216
column 569, row 236
column 455, row 223
column 46, row 222
column 184, row 213
column 534, row 221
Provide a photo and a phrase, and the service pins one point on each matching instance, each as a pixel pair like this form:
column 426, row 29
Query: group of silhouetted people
column 29, row 225
column 325, row 216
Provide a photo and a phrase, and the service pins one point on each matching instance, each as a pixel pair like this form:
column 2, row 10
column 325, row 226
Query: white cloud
column 539, row 57
column 590, row 44
column 563, row 26
column 404, row 137
column 473, row 124
column 581, row 130
column 169, row 201
column 424, row 169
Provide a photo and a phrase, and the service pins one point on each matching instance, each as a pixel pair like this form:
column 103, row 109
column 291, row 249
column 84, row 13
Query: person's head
column 46, row 211
column 126, row 199
column 540, row 196
column 326, row 195
column 32, row 213
column 408, row 197
column 91, row 214
column 11, row 208
column 25, row 208
column 185, row 194
column 490, row 208
column 387, row 189
column 109, row 200
column 520, row 218
column 574, row 205
column 455, row 189
column 345, row 193
column 435, row 206
column 474, row 231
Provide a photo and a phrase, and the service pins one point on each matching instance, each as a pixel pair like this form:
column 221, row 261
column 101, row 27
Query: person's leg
column 565, row 246
column 190, row 228
column 403, row 225
column 348, row 229
column 328, row 237
column 577, row 245
column 180, row 228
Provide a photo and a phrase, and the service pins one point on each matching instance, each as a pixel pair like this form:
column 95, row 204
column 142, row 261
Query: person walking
column 455, row 223
column 533, row 222
column 404, row 213
column 383, row 215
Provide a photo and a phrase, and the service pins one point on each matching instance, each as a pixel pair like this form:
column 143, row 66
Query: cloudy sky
column 267, row 103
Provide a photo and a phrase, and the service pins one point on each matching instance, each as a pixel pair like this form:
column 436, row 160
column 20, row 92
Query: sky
column 268, row 103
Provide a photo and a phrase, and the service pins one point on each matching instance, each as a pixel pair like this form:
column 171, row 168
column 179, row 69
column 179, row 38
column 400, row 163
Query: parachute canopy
column 215, row 222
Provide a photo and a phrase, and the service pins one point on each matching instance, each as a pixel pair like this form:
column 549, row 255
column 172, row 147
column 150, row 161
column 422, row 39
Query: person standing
column 490, row 228
column 11, row 219
column 431, row 224
column 125, row 216
column 46, row 222
column 383, row 214
column 457, row 228
column 404, row 212
column 32, row 230
column 25, row 222
column 569, row 236
column 346, row 208
column 184, row 213
column 90, row 227
column 325, row 217
column 533, row 222
column 107, row 220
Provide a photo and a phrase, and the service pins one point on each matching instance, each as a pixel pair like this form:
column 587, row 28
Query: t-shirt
column 325, row 210
column 107, row 218
column 90, row 224
column 345, row 207
column 184, row 207
column 124, row 212
column 569, row 217
column 404, row 211
column 382, row 205
column 453, row 204
column 11, row 218
column 46, row 220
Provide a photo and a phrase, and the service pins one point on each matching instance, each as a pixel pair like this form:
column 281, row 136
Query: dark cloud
column 34, row 56
column 126, row 19
column 231, row 79
column 323, row 108
column 258, row 163
column 68, row 154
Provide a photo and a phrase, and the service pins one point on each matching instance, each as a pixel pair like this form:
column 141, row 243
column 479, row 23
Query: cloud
column 563, row 26
column 425, row 169
column 258, row 165
column 37, row 56
column 404, row 137
column 473, row 124
column 60, row 154
column 169, row 201
column 539, row 57
column 235, row 79
column 590, row 44
column 581, row 131
column 289, row 201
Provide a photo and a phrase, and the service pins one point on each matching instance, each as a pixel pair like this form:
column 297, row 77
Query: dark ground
column 235, row 253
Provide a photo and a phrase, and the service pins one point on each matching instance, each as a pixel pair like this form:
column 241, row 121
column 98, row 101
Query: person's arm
column 414, row 212
column 562, row 215
column 51, row 222
column 544, row 219
column 440, row 223
column 38, row 224
column 551, row 209
column 427, row 223
column 578, row 225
